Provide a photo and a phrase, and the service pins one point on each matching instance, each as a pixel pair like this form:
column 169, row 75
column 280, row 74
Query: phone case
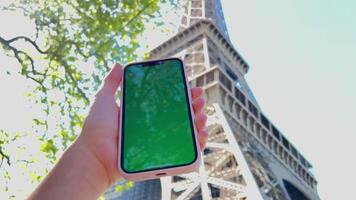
column 154, row 174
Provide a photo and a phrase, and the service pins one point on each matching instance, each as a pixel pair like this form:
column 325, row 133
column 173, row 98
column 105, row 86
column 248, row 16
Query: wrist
column 78, row 169
column 98, row 177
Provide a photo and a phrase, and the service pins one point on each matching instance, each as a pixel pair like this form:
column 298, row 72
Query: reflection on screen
column 157, row 130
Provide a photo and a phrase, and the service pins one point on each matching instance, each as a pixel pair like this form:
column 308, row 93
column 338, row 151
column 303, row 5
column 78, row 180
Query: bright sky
column 302, row 56
column 303, row 68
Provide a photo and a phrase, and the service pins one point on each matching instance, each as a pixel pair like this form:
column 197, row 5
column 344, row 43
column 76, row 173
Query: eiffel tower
column 246, row 156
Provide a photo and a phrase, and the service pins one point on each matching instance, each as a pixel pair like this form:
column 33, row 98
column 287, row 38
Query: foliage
column 124, row 186
column 73, row 47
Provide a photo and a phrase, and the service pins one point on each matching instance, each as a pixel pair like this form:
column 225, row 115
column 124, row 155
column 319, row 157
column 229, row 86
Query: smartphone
column 157, row 132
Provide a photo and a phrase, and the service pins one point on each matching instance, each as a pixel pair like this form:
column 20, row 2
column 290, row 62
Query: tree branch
column 27, row 40
column 68, row 71
column 139, row 13
column 26, row 161
column 13, row 6
column 17, row 54
column 4, row 156
column 80, row 51
column 130, row 21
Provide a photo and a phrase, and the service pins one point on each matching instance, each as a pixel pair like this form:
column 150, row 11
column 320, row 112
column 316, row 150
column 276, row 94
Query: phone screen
column 157, row 128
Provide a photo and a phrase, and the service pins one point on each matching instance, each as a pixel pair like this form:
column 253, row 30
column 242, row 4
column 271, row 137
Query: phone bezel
column 190, row 113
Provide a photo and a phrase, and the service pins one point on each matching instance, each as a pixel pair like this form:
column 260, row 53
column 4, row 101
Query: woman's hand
column 89, row 166
column 100, row 130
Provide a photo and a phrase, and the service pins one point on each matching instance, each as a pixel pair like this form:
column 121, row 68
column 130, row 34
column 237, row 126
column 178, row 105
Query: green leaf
column 78, row 37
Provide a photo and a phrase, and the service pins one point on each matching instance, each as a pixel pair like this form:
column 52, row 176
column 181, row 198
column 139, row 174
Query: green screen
column 157, row 127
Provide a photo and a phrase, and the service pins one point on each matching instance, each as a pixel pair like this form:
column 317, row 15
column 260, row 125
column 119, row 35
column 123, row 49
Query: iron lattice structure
column 246, row 156
column 223, row 175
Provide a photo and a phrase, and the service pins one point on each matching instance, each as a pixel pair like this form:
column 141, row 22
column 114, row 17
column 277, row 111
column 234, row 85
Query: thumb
column 112, row 81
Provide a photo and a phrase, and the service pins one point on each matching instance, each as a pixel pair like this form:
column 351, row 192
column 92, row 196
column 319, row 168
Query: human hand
column 100, row 130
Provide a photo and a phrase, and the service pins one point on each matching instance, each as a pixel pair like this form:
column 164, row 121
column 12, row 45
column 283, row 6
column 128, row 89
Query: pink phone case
column 161, row 172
